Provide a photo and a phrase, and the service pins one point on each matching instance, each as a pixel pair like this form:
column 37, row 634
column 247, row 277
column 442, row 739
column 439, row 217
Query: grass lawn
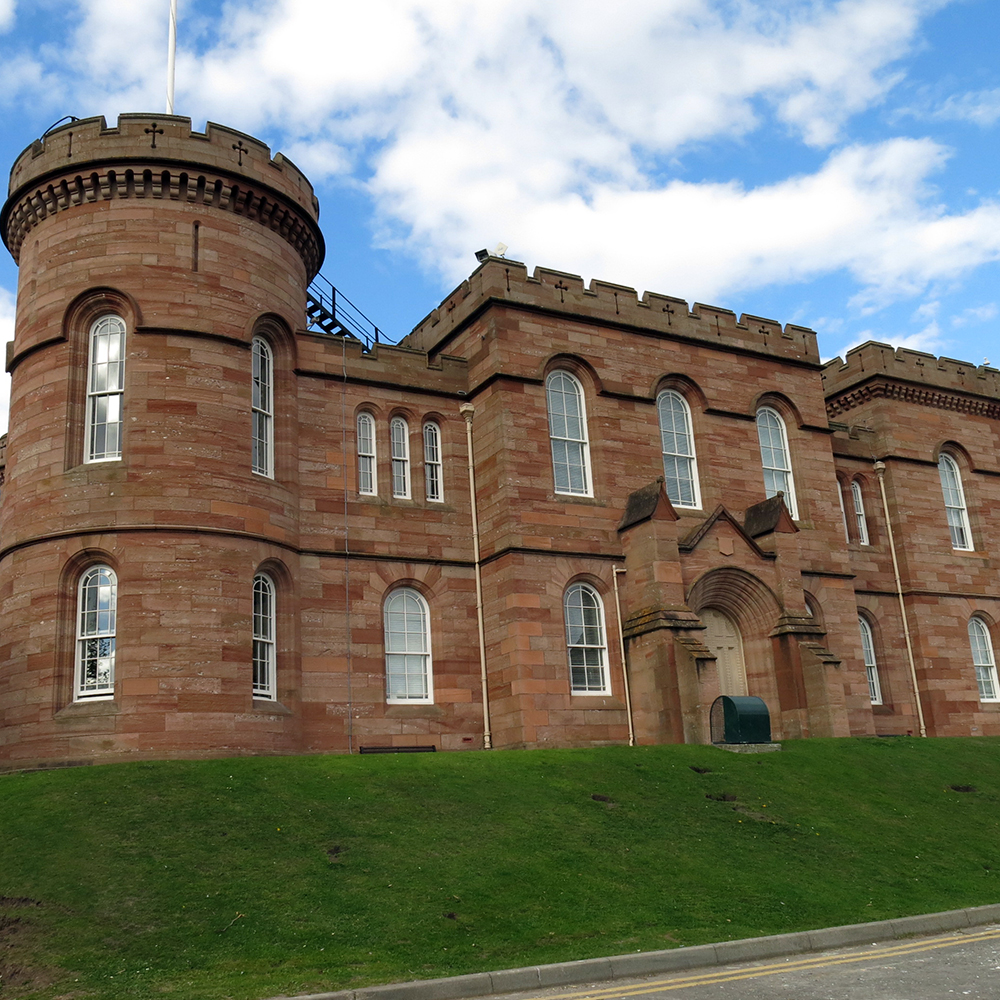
column 250, row 877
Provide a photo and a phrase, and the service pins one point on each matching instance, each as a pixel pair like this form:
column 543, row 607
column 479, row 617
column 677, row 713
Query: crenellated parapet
column 161, row 158
column 876, row 370
column 562, row 294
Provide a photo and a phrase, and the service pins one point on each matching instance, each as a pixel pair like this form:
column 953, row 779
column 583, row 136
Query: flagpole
column 171, row 56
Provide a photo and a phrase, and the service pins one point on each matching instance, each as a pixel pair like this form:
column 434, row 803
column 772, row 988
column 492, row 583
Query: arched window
column 859, row 513
column 843, row 510
column 105, row 390
column 680, row 468
column 263, row 408
column 264, row 627
column 775, row 458
column 954, row 503
column 433, row 485
column 983, row 660
column 97, row 610
column 868, row 648
column 407, row 648
column 585, row 641
column 568, row 434
column 399, row 435
column 367, row 476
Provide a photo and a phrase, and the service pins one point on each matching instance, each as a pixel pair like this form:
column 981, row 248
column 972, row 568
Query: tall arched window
column 859, row 513
column 105, row 390
column 433, row 484
column 264, row 628
column 680, row 468
column 983, row 660
column 585, row 640
column 263, row 408
column 399, row 436
column 568, row 434
column 407, row 648
column 367, row 473
column 775, row 457
column 97, row 612
column 954, row 503
column 868, row 648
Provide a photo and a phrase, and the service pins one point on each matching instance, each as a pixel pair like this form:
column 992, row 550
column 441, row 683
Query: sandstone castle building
column 552, row 515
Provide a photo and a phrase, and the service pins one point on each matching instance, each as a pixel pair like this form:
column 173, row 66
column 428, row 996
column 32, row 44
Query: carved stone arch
column 582, row 369
column 778, row 401
column 278, row 334
column 740, row 595
column 957, row 451
column 685, row 385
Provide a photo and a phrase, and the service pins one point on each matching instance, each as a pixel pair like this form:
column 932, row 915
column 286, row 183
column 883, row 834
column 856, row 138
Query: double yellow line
column 798, row 965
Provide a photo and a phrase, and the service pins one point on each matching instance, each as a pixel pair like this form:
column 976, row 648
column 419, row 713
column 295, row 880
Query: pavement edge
column 672, row 960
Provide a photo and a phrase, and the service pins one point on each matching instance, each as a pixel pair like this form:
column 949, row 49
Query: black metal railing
column 330, row 311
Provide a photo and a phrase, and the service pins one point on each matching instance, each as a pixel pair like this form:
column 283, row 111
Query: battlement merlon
column 504, row 280
column 846, row 384
column 166, row 139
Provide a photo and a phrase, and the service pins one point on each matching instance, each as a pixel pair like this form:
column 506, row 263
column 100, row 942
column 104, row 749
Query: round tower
column 149, row 521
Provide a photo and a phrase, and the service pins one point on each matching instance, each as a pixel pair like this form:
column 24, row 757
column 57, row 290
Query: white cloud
column 6, row 14
column 929, row 340
column 981, row 107
column 6, row 334
column 548, row 126
column 975, row 314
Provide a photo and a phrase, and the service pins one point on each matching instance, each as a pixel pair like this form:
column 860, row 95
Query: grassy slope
column 250, row 877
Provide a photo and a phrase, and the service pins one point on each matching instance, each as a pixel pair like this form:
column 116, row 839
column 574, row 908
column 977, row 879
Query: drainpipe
column 615, row 570
column 880, row 472
column 468, row 411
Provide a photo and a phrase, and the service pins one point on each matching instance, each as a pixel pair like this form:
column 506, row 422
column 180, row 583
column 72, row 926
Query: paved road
column 963, row 964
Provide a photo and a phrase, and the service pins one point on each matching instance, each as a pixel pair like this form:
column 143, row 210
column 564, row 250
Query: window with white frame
column 843, row 510
column 399, row 438
column 860, row 521
column 105, row 390
column 954, row 503
column 264, row 629
column 680, row 467
column 407, row 648
column 585, row 640
column 433, row 485
column 568, row 434
column 367, row 475
column 97, row 613
column 776, row 458
column 871, row 667
column 263, row 408
column 983, row 660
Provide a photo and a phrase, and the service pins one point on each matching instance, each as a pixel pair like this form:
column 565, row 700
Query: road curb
column 648, row 963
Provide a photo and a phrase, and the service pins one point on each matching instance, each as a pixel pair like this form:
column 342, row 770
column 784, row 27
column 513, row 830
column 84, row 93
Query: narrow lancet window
column 105, row 390
column 263, row 408
column 680, row 469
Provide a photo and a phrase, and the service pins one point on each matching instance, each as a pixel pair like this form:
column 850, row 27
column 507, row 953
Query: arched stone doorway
column 722, row 636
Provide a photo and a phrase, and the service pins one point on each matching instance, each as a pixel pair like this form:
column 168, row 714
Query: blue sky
column 832, row 163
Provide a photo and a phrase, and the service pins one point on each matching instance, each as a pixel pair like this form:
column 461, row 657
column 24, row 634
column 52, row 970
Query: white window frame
column 96, row 629
column 409, row 675
column 105, row 390
column 399, row 443
column 871, row 666
column 776, row 458
column 265, row 623
column 433, row 467
column 680, row 463
column 262, row 405
column 586, row 641
column 367, row 456
column 955, row 507
column 983, row 659
column 843, row 510
column 857, row 498
column 568, row 438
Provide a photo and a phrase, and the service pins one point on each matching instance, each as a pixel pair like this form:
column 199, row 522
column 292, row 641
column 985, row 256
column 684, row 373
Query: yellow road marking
column 796, row 965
